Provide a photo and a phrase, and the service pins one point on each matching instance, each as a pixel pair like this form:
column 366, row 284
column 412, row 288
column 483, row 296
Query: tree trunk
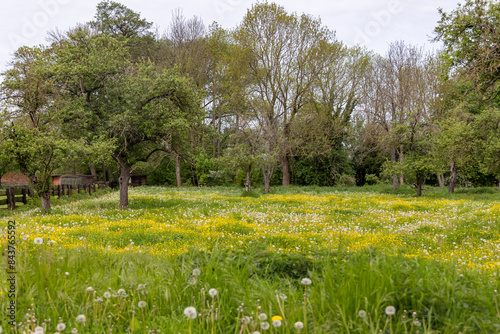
column 92, row 170
column 267, row 177
column 401, row 178
column 285, row 167
column 45, row 196
column 395, row 181
column 178, row 170
column 441, row 180
column 123, row 181
column 247, row 183
column 453, row 177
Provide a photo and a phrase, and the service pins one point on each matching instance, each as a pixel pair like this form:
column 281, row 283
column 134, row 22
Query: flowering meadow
column 301, row 261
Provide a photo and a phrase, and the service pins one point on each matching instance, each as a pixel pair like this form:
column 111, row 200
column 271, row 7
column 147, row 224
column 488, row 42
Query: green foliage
column 119, row 21
column 371, row 179
column 250, row 193
column 346, row 180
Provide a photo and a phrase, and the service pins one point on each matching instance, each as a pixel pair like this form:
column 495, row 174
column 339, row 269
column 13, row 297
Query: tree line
column 276, row 100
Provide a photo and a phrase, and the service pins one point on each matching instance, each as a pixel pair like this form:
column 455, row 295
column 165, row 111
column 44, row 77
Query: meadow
column 300, row 260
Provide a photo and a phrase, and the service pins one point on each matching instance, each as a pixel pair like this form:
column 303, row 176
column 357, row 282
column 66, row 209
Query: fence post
column 24, row 191
column 90, row 189
column 78, row 188
column 94, row 187
column 11, row 199
column 59, row 191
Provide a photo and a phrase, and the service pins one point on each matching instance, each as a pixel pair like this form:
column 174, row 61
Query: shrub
column 371, row 179
column 346, row 180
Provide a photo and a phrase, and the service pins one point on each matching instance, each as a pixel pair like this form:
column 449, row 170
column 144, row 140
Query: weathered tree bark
column 453, row 177
column 395, row 181
column 285, row 167
column 267, row 176
column 247, row 183
column 123, row 181
column 45, row 196
column 441, row 180
column 178, row 170
column 92, row 170
column 401, row 178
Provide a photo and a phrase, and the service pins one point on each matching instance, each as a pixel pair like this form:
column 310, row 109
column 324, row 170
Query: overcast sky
column 372, row 23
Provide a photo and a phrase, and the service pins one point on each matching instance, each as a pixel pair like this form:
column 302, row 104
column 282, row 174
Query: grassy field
column 377, row 260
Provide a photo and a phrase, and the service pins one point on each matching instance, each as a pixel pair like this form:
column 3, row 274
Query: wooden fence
column 13, row 198
column 19, row 195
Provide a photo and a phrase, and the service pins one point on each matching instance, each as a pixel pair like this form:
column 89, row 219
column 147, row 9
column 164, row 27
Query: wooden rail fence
column 19, row 195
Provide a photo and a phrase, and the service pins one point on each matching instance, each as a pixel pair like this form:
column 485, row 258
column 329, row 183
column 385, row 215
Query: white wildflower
column 196, row 272
column 142, row 304
column 276, row 323
column 38, row 241
column 60, row 327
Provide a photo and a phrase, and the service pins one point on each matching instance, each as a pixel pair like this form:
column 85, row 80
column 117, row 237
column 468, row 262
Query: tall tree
column 285, row 62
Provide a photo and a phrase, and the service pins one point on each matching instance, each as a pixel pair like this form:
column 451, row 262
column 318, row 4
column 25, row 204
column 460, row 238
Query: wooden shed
column 138, row 180
column 73, row 179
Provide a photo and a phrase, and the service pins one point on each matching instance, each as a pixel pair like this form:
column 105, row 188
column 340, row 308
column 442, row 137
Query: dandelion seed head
column 190, row 312
column 263, row 316
column 276, row 323
column 142, row 304
column 196, row 272
column 38, row 241
column 306, row 281
column 60, row 327
column 81, row 319
column 362, row 314
column 213, row 292
column 390, row 310
column 299, row 325
column 264, row 325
